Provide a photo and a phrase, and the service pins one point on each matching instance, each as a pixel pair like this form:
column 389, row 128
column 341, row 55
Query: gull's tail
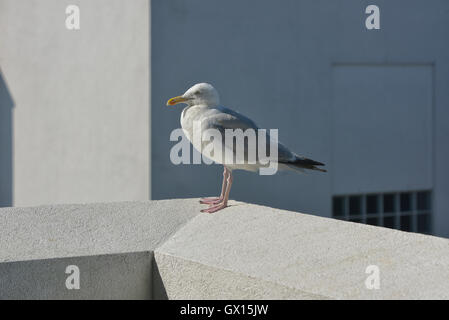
column 305, row 163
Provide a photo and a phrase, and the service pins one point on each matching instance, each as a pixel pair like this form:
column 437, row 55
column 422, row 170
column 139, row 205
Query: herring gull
column 203, row 106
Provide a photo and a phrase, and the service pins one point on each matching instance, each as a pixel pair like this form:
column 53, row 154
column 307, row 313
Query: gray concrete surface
column 243, row 252
column 93, row 229
column 80, row 125
column 115, row 276
column 286, row 254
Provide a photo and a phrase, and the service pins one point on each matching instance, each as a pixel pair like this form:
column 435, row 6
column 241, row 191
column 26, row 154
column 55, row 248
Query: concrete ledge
column 290, row 255
column 112, row 245
column 167, row 249
column 117, row 276
column 91, row 229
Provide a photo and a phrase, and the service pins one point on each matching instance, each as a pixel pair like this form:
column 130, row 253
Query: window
column 407, row 210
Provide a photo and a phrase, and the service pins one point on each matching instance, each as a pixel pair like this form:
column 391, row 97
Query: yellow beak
column 176, row 100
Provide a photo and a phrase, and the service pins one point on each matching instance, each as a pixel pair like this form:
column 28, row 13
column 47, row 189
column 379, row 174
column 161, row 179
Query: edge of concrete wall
column 167, row 249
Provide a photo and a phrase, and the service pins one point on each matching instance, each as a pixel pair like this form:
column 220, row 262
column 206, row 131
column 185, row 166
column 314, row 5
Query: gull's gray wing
column 222, row 118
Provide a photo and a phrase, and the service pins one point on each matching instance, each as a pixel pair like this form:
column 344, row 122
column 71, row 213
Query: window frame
column 397, row 214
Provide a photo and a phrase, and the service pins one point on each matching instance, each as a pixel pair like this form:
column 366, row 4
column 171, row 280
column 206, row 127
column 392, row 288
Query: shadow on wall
column 6, row 105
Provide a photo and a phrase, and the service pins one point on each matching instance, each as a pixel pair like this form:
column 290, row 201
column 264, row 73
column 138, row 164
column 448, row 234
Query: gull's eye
column 196, row 92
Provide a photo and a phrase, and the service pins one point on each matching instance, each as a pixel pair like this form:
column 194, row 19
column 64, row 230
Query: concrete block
column 168, row 249
column 289, row 255
column 117, row 276
column 187, row 279
column 112, row 245
column 91, row 229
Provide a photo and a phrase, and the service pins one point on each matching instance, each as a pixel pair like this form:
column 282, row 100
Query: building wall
column 371, row 104
column 80, row 123
column 6, row 182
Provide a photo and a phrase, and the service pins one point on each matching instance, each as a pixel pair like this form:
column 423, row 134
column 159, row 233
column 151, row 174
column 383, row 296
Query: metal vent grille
column 405, row 210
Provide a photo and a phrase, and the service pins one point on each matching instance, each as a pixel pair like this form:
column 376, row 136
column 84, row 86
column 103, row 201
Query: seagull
column 203, row 106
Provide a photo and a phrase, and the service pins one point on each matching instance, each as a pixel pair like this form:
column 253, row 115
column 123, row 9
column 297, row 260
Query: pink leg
column 223, row 204
column 219, row 199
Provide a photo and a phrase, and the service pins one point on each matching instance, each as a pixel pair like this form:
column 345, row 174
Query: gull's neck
column 196, row 108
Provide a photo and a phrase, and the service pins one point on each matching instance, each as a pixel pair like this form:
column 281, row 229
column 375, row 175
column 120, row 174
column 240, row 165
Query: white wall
column 81, row 100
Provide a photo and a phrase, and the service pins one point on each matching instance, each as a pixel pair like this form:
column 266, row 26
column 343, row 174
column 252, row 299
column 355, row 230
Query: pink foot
column 215, row 208
column 214, row 200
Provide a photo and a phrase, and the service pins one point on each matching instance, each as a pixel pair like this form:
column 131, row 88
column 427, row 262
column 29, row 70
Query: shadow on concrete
column 159, row 292
column 6, row 151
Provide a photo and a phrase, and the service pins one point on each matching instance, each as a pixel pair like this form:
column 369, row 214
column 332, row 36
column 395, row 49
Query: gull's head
column 199, row 94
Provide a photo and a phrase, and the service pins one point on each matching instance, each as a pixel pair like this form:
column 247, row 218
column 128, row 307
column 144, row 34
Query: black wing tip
column 318, row 169
column 308, row 164
column 315, row 163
